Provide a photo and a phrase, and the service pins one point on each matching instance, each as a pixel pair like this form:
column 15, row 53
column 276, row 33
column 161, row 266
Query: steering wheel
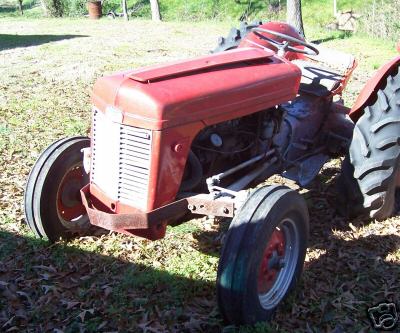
column 285, row 45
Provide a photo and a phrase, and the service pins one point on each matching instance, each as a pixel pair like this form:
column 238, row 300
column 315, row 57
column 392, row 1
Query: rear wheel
column 375, row 150
column 263, row 255
column 349, row 201
column 235, row 37
column 53, row 208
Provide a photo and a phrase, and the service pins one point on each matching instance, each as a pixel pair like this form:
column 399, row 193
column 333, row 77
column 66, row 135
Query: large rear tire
column 349, row 201
column 375, row 150
column 53, row 208
column 235, row 37
column 262, row 258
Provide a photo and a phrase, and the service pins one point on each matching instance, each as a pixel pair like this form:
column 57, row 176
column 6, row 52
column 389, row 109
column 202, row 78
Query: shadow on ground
column 46, row 287
column 352, row 265
column 339, row 35
column 13, row 41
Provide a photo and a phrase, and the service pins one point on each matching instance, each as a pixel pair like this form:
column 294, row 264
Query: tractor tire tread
column 375, row 151
column 32, row 181
column 349, row 201
column 240, row 237
column 35, row 180
column 253, row 201
column 235, row 36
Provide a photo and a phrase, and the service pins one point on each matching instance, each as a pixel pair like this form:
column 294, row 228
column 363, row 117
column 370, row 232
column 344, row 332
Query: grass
column 116, row 283
column 9, row 8
column 317, row 12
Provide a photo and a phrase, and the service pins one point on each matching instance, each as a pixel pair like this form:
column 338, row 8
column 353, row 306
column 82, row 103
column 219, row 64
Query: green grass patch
column 7, row 246
column 318, row 12
column 10, row 8
column 184, row 228
column 112, row 282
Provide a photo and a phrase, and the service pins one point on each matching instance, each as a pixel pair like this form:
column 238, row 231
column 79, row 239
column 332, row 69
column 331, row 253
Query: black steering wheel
column 287, row 40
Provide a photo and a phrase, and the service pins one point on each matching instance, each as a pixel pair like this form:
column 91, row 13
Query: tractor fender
column 371, row 87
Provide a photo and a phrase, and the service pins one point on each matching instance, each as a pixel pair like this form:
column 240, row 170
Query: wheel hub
column 276, row 262
column 69, row 204
column 272, row 261
column 70, row 193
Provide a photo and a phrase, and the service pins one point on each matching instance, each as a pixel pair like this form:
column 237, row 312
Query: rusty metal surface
column 203, row 204
column 117, row 222
column 112, row 221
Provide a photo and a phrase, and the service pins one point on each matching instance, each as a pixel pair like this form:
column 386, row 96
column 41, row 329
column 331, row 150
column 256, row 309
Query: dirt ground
column 115, row 283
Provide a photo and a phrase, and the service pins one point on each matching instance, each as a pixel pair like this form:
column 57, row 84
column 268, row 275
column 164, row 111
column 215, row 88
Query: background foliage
column 379, row 18
column 382, row 19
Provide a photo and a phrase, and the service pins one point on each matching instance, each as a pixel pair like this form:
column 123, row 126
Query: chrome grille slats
column 121, row 158
column 134, row 145
column 133, row 182
column 137, row 171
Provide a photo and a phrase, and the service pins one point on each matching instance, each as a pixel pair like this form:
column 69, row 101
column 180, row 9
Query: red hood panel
column 195, row 65
column 209, row 89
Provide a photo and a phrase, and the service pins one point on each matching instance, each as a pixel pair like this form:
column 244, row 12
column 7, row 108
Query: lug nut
column 177, row 148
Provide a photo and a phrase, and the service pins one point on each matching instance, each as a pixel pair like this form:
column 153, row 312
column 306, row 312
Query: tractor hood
column 210, row 89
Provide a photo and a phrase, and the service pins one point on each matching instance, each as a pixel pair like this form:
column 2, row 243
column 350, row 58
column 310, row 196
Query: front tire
column 53, row 208
column 263, row 256
column 375, row 150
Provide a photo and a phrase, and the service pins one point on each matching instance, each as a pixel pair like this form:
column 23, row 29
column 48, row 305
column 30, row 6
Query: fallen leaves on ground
column 114, row 283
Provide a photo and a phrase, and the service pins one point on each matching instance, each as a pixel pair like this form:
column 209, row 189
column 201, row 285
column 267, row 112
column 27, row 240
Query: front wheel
column 53, row 207
column 263, row 256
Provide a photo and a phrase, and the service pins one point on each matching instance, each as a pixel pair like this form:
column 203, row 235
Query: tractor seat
column 325, row 74
column 317, row 80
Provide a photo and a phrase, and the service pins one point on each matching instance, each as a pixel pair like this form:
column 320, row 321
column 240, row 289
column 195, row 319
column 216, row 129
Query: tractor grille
column 121, row 160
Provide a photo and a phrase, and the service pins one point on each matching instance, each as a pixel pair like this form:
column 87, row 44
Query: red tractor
column 193, row 137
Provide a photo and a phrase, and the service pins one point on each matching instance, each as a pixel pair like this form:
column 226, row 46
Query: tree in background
column 54, row 8
column 155, row 10
column 293, row 15
column 125, row 10
column 21, row 9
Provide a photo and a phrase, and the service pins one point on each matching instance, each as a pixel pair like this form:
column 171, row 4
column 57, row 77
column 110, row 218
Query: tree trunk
column 155, row 10
column 294, row 16
column 44, row 8
column 125, row 10
column 21, row 9
column 334, row 8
